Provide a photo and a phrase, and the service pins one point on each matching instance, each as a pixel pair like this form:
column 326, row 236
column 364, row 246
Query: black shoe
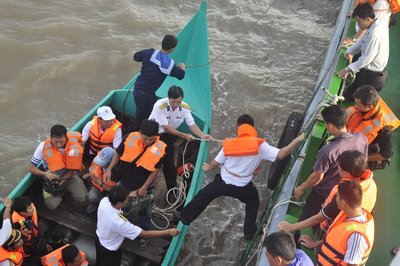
column 250, row 236
column 178, row 217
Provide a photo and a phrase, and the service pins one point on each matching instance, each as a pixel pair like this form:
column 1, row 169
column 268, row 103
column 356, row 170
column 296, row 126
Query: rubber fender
column 290, row 132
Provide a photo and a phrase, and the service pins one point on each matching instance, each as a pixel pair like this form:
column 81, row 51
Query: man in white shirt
column 113, row 228
column 370, row 67
column 170, row 113
column 104, row 130
column 239, row 159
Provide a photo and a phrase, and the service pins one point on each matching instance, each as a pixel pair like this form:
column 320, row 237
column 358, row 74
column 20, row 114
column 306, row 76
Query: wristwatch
column 354, row 39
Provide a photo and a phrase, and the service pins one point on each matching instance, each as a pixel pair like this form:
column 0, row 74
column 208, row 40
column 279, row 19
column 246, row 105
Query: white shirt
column 374, row 47
column 244, row 166
column 112, row 229
column 356, row 244
column 164, row 115
column 86, row 131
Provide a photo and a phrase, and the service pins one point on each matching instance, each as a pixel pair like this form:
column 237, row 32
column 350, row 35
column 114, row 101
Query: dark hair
column 335, row 115
column 281, row 244
column 58, row 131
column 353, row 162
column 169, row 42
column 351, row 192
column 118, row 194
column 364, row 11
column 21, row 203
column 149, row 128
column 175, row 92
column 69, row 254
column 367, row 94
column 245, row 119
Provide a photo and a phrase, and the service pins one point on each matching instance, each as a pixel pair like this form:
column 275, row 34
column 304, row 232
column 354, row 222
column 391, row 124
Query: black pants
column 107, row 257
column 169, row 168
column 144, row 102
column 247, row 194
column 366, row 77
column 313, row 206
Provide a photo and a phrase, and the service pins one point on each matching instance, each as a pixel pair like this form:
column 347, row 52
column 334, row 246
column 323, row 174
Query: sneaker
column 91, row 208
column 178, row 217
column 144, row 243
column 250, row 237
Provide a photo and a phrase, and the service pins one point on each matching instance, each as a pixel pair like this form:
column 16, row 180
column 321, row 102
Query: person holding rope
column 240, row 157
column 170, row 113
column 156, row 66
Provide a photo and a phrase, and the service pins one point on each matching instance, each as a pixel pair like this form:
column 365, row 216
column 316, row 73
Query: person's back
column 156, row 66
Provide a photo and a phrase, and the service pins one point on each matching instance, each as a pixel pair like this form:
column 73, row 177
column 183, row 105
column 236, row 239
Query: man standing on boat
column 350, row 238
column 326, row 172
column 370, row 67
column 239, row 158
column 61, row 156
column 371, row 116
column 170, row 113
column 156, row 66
column 103, row 131
column 352, row 166
column 113, row 228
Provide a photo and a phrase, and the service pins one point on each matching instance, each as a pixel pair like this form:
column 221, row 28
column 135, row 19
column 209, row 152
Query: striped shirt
column 38, row 158
column 356, row 244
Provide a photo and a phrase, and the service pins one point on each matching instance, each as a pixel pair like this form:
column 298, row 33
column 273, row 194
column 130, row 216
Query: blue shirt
column 156, row 66
column 301, row 259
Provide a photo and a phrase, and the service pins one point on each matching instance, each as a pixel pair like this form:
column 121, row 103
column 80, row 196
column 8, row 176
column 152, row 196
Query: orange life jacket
column 96, row 172
column 72, row 159
column 372, row 122
column 16, row 256
column 98, row 140
column 369, row 189
column 394, row 4
column 17, row 218
column 334, row 244
column 245, row 144
column 134, row 146
column 55, row 258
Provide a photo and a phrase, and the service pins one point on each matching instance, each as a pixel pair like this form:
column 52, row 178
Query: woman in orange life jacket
column 239, row 157
column 350, row 238
column 100, row 184
column 68, row 255
column 11, row 250
column 352, row 166
column 25, row 219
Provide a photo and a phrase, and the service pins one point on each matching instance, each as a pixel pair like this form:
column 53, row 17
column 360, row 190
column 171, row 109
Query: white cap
column 5, row 231
column 105, row 113
column 104, row 157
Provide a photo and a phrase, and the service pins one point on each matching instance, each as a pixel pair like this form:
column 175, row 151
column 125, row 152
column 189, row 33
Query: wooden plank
column 154, row 252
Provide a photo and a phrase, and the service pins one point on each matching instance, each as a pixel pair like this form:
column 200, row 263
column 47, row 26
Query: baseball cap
column 105, row 113
column 104, row 157
column 14, row 237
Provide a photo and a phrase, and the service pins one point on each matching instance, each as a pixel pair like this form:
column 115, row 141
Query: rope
column 179, row 193
column 237, row 40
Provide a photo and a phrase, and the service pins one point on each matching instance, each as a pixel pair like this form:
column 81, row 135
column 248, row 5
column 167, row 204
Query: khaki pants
column 74, row 185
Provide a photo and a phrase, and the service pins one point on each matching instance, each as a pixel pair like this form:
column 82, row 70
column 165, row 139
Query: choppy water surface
column 58, row 58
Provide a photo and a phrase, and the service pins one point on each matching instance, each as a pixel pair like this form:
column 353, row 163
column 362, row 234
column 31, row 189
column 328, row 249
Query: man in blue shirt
column 156, row 66
column 281, row 251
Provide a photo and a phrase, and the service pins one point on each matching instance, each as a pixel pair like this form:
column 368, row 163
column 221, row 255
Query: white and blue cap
column 105, row 113
column 104, row 157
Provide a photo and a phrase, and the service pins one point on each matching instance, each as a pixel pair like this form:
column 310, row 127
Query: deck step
column 86, row 225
